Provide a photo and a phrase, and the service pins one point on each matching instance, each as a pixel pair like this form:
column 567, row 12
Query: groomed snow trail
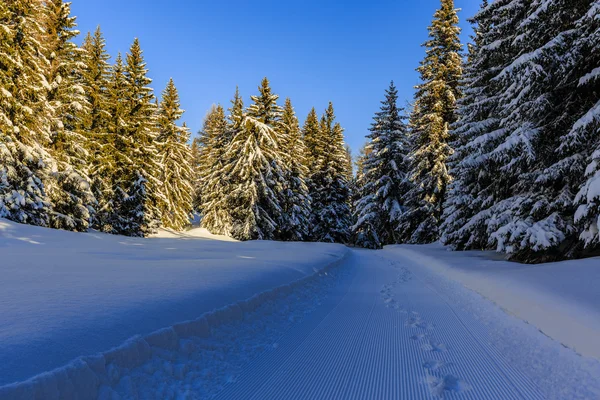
column 390, row 336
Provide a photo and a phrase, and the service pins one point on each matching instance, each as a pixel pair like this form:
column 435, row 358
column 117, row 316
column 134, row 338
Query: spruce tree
column 311, row 134
column 331, row 216
column 433, row 113
column 526, row 218
column 294, row 199
column 216, row 137
column 196, row 182
column 134, row 129
column 582, row 140
column 465, row 221
column 175, row 159
column 141, row 176
column 25, row 115
column 256, row 170
column 73, row 203
column 96, row 83
column 383, row 181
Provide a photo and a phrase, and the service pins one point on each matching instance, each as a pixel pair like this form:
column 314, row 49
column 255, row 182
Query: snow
column 65, row 295
column 561, row 299
column 189, row 316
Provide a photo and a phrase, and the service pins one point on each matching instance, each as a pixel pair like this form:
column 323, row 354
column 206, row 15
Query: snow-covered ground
column 561, row 299
column 65, row 295
column 410, row 322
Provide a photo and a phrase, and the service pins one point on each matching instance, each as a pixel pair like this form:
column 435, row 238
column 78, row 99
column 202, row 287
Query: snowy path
column 397, row 332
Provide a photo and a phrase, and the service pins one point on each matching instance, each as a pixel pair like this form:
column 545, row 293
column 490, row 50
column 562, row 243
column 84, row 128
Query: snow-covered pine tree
column 141, row 174
column 134, row 129
column 96, row 83
column 25, row 115
column 525, row 219
column 331, row 216
column 256, row 169
column 475, row 133
column 349, row 163
column 582, row 141
column 311, row 134
column 434, row 111
column 294, row 199
column 363, row 232
column 115, row 154
column 214, row 192
column 384, row 179
column 175, row 159
column 73, row 202
column 196, row 182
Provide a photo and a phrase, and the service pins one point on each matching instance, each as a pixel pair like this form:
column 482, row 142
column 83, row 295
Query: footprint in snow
column 435, row 365
column 434, row 346
column 440, row 385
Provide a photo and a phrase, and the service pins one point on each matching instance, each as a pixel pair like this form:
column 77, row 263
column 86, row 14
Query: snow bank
column 561, row 299
column 82, row 378
column 64, row 295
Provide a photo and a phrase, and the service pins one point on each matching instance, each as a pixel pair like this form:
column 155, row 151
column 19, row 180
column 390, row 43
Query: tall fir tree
column 96, row 83
column 176, row 163
column 384, row 177
column 216, row 137
column 196, row 182
column 256, row 170
column 331, row 216
column 135, row 183
column 585, row 130
column 25, row 115
column 311, row 134
column 475, row 133
column 294, row 198
column 434, row 111
column 73, row 203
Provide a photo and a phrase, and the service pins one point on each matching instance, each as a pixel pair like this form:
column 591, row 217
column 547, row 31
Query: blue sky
column 312, row 51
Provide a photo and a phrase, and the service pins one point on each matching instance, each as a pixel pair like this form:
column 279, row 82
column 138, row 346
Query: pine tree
column 433, row 113
column 96, row 83
column 294, row 199
column 256, row 171
column 383, row 181
column 175, row 159
column 581, row 143
column 331, row 216
column 140, row 129
column 475, row 133
column 311, row 134
column 216, row 137
column 25, row 115
column 196, row 182
column 69, row 190
column 525, row 218
column 135, row 183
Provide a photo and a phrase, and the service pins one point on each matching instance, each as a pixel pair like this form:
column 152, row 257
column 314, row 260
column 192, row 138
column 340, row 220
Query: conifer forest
column 499, row 149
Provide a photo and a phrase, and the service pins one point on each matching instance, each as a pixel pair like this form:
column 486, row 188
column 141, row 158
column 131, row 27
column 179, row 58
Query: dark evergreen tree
column 214, row 179
column 256, row 170
column 135, row 180
column 475, row 134
column 433, row 112
column 311, row 134
column 384, row 180
column 331, row 216
column 294, row 199
column 584, row 132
